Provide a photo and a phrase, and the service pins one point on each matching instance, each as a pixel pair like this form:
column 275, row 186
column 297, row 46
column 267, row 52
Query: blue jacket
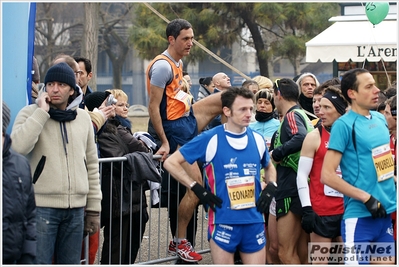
column 19, row 208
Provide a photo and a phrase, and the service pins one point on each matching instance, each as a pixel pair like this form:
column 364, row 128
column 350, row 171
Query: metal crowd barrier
column 154, row 246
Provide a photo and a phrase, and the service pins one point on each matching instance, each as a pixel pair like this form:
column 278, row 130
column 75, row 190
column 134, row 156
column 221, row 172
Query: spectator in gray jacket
column 207, row 87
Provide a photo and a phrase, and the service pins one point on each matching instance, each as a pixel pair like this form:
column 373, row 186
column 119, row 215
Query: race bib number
column 186, row 99
column 328, row 191
column 241, row 192
column 383, row 162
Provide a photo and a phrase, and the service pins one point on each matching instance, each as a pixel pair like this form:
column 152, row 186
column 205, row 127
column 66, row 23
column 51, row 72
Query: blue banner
column 31, row 49
column 17, row 53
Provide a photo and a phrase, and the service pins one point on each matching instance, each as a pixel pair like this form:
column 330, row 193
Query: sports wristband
column 192, row 184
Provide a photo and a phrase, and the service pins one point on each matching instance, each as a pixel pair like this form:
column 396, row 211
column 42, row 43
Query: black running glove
column 206, row 197
column 375, row 207
column 265, row 198
column 309, row 219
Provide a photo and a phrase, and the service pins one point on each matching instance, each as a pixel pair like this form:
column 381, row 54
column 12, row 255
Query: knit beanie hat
column 95, row 99
column 6, row 116
column 61, row 72
column 267, row 94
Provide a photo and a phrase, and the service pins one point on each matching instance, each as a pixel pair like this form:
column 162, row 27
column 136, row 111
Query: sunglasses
column 277, row 84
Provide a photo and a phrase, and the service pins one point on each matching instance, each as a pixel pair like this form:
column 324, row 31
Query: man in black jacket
column 19, row 207
column 287, row 147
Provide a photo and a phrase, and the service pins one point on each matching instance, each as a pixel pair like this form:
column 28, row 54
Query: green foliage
column 302, row 22
column 283, row 27
column 268, row 13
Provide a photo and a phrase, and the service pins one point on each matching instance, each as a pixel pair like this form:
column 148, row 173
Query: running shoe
column 186, row 252
column 172, row 248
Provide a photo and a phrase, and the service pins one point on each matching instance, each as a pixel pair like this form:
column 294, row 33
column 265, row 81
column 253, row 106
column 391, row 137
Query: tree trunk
column 117, row 73
column 297, row 67
column 260, row 48
column 90, row 38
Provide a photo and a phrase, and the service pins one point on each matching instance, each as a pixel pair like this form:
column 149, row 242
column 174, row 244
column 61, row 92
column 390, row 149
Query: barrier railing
column 123, row 232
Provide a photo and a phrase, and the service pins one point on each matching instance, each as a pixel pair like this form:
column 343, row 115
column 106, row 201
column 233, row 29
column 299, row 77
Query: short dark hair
column 85, row 61
column 175, row 26
column 390, row 92
column 391, row 102
column 288, row 89
column 322, row 87
column 205, row 81
column 349, row 81
column 185, row 73
column 228, row 96
column 381, row 101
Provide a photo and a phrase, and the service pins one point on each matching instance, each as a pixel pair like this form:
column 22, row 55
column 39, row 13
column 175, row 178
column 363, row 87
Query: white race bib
column 241, row 192
column 383, row 162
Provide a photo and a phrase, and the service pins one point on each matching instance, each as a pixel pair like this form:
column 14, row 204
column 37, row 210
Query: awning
column 356, row 41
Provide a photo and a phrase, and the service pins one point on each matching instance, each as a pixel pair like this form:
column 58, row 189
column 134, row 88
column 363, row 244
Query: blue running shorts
column 247, row 238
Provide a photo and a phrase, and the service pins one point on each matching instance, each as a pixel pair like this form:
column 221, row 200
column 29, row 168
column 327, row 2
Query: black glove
column 265, row 198
column 375, row 207
column 309, row 219
column 206, row 197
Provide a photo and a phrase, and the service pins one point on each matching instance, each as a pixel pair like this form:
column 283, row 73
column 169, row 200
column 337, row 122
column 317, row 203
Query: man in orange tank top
column 173, row 121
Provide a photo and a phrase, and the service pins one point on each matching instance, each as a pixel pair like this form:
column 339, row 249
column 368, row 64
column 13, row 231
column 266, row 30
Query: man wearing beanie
column 359, row 144
column 99, row 116
column 58, row 136
column 322, row 206
column 19, row 208
column 287, row 147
